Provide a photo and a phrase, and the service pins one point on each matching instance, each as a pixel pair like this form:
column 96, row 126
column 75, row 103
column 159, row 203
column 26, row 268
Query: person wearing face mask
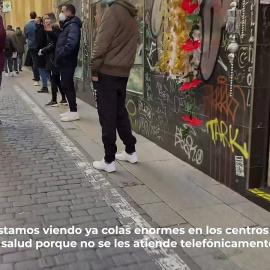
column 112, row 59
column 49, row 53
column 41, row 42
column 66, row 55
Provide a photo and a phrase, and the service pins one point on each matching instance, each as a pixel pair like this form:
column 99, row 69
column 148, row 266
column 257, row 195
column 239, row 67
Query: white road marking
column 168, row 260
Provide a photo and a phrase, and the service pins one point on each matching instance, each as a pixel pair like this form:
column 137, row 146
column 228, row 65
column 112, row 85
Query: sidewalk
column 160, row 191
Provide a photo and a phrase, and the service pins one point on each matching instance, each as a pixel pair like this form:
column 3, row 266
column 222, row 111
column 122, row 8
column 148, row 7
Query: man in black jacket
column 66, row 55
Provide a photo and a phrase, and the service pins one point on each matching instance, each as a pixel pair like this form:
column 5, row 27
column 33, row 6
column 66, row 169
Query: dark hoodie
column 117, row 39
column 20, row 41
column 68, row 43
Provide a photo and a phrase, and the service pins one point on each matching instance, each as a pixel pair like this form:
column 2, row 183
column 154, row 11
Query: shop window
column 135, row 83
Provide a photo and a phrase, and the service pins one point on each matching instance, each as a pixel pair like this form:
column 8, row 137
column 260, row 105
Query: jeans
column 34, row 57
column 67, row 83
column 8, row 64
column 56, row 84
column 15, row 64
column 113, row 115
column 44, row 75
column 20, row 60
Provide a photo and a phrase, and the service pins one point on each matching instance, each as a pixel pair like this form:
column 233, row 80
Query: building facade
column 20, row 13
column 200, row 84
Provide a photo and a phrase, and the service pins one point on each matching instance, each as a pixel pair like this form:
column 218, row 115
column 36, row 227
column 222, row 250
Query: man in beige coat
column 112, row 59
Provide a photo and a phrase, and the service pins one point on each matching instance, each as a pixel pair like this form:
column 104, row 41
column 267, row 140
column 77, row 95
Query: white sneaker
column 36, row 83
column 14, row 74
column 102, row 165
column 64, row 114
column 124, row 156
column 71, row 116
column 6, row 74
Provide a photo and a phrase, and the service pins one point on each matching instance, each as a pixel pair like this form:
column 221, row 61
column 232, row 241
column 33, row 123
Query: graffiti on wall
column 223, row 134
column 188, row 144
column 220, row 131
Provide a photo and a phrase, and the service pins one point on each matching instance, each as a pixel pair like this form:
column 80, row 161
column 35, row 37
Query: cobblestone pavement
column 46, row 180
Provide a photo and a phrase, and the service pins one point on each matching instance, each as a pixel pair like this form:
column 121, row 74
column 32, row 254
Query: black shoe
column 63, row 102
column 44, row 90
column 20, row 70
column 52, row 104
column 17, row 72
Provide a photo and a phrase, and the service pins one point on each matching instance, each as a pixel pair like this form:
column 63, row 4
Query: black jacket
column 41, row 42
column 68, row 43
column 49, row 50
column 10, row 47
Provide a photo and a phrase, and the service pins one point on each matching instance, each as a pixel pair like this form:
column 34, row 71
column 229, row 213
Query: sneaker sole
column 69, row 120
column 125, row 160
column 55, row 105
column 105, row 170
column 61, row 116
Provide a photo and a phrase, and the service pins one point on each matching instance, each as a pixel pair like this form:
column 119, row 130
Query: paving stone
column 59, row 203
column 82, row 207
column 107, row 216
column 162, row 214
column 79, row 213
column 104, row 264
column 81, row 220
column 56, row 216
column 58, row 193
column 7, row 266
column 47, row 189
column 27, row 265
column 100, row 210
column 56, row 183
column 79, row 266
column 65, row 258
column 86, row 255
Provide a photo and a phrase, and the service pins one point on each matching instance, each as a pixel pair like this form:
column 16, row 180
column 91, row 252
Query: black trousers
column 15, row 64
column 56, row 84
column 20, row 60
column 34, row 57
column 8, row 64
column 68, row 88
column 113, row 115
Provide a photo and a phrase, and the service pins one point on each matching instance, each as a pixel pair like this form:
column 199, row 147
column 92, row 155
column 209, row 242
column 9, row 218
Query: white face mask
column 48, row 21
column 62, row 17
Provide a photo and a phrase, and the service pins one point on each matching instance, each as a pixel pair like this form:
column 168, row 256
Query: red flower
column 195, row 122
column 189, row 6
column 189, row 85
column 186, row 118
column 192, row 121
column 191, row 45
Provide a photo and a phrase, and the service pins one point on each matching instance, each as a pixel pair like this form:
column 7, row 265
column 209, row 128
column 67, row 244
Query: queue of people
column 54, row 50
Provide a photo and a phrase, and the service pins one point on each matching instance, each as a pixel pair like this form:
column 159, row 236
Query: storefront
column 200, row 85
